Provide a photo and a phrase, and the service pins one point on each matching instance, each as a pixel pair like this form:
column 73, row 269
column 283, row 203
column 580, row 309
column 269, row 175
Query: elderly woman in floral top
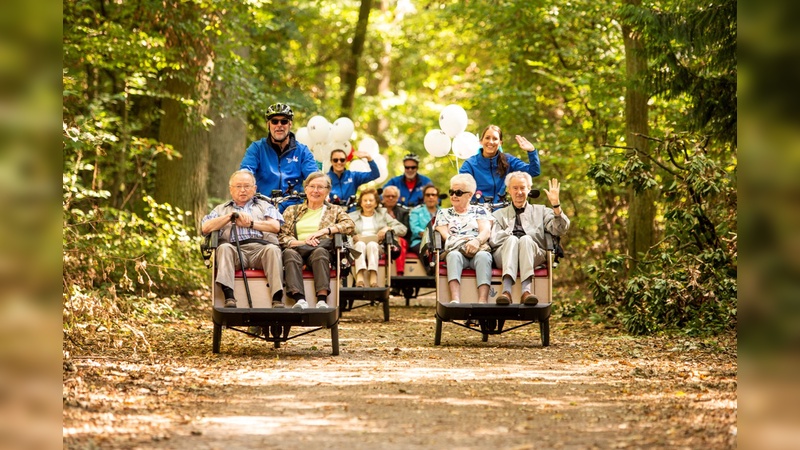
column 306, row 236
column 465, row 229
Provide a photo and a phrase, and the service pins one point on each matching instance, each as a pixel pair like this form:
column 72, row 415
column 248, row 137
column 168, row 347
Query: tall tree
column 228, row 137
column 182, row 181
column 350, row 68
column 641, row 208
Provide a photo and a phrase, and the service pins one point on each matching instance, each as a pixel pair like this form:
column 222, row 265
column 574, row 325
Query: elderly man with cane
column 253, row 243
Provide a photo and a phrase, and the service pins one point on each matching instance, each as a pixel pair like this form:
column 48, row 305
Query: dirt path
column 392, row 389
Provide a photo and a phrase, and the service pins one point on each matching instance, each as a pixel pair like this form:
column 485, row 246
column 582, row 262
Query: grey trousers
column 256, row 256
column 317, row 259
column 522, row 254
column 481, row 262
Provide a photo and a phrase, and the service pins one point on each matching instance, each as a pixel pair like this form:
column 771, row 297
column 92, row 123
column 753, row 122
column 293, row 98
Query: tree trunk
column 350, row 69
column 181, row 182
column 227, row 139
column 641, row 208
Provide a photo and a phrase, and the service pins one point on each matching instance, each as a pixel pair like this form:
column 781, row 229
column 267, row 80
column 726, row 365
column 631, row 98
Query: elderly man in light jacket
column 518, row 236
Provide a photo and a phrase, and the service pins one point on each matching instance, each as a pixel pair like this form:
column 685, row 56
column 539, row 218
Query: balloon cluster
column 322, row 137
column 452, row 135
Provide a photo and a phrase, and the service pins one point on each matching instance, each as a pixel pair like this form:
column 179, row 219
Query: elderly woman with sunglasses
column 346, row 183
column 465, row 229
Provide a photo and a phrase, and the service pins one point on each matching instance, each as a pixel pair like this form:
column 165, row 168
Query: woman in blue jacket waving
column 490, row 165
column 344, row 182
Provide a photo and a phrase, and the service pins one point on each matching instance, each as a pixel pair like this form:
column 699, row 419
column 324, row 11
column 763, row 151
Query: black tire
column 485, row 337
column 437, row 338
column 544, row 329
column 216, row 339
column 408, row 293
column 386, row 310
column 335, row 339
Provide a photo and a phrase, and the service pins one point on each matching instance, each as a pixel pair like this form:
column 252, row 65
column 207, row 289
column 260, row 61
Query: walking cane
column 235, row 236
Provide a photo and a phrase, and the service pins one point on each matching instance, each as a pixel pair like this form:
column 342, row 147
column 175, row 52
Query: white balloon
column 319, row 129
column 465, row 145
column 437, row 143
column 380, row 160
column 322, row 152
column 342, row 129
column 346, row 146
column 370, row 146
column 359, row 165
column 453, row 120
column 302, row 136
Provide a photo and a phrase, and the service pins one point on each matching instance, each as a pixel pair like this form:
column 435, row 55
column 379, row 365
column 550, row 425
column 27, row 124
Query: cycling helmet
column 280, row 109
column 412, row 157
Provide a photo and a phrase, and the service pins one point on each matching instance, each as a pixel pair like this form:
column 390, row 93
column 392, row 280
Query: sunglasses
column 431, row 195
column 410, row 167
column 457, row 193
column 279, row 121
column 338, row 160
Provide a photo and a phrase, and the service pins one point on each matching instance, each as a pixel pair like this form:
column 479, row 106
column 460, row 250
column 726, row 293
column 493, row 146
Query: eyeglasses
column 458, row 193
column 338, row 160
column 316, row 187
column 241, row 187
column 431, row 195
column 279, row 121
column 410, row 167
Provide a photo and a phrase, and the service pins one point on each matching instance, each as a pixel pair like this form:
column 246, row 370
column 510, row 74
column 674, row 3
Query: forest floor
column 159, row 386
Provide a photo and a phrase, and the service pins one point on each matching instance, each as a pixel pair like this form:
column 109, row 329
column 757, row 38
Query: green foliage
column 109, row 253
column 687, row 281
column 693, row 53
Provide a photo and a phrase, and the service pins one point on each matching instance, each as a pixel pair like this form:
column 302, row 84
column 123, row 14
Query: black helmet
column 412, row 157
column 280, row 109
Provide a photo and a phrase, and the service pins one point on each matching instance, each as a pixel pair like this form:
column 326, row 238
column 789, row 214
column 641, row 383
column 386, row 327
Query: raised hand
column 524, row 143
column 363, row 155
column 552, row 193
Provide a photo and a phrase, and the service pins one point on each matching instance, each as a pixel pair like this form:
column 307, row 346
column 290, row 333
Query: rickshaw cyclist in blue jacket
column 490, row 165
column 410, row 183
column 278, row 161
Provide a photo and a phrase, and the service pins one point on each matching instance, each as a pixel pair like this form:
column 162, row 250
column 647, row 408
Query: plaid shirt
column 258, row 209
column 332, row 215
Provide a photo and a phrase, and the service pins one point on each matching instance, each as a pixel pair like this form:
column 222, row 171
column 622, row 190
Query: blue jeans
column 481, row 262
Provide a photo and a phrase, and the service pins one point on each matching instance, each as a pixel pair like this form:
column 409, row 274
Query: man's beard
column 279, row 141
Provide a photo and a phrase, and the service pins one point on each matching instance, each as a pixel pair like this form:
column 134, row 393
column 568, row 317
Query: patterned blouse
column 332, row 215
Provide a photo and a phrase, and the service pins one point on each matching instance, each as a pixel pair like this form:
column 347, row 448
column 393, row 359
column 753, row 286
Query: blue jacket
column 345, row 186
column 287, row 173
column 484, row 170
column 418, row 220
column 413, row 197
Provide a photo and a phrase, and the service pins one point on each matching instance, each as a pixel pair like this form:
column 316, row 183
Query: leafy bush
column 686, row 281
column 109, row 253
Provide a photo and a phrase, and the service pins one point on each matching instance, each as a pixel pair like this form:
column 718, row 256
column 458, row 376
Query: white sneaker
column 322, row 304
column 455, row 301
column 301, row 304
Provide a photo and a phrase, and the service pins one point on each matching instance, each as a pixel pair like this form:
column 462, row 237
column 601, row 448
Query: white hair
column 524, row 176
column 466, row 180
